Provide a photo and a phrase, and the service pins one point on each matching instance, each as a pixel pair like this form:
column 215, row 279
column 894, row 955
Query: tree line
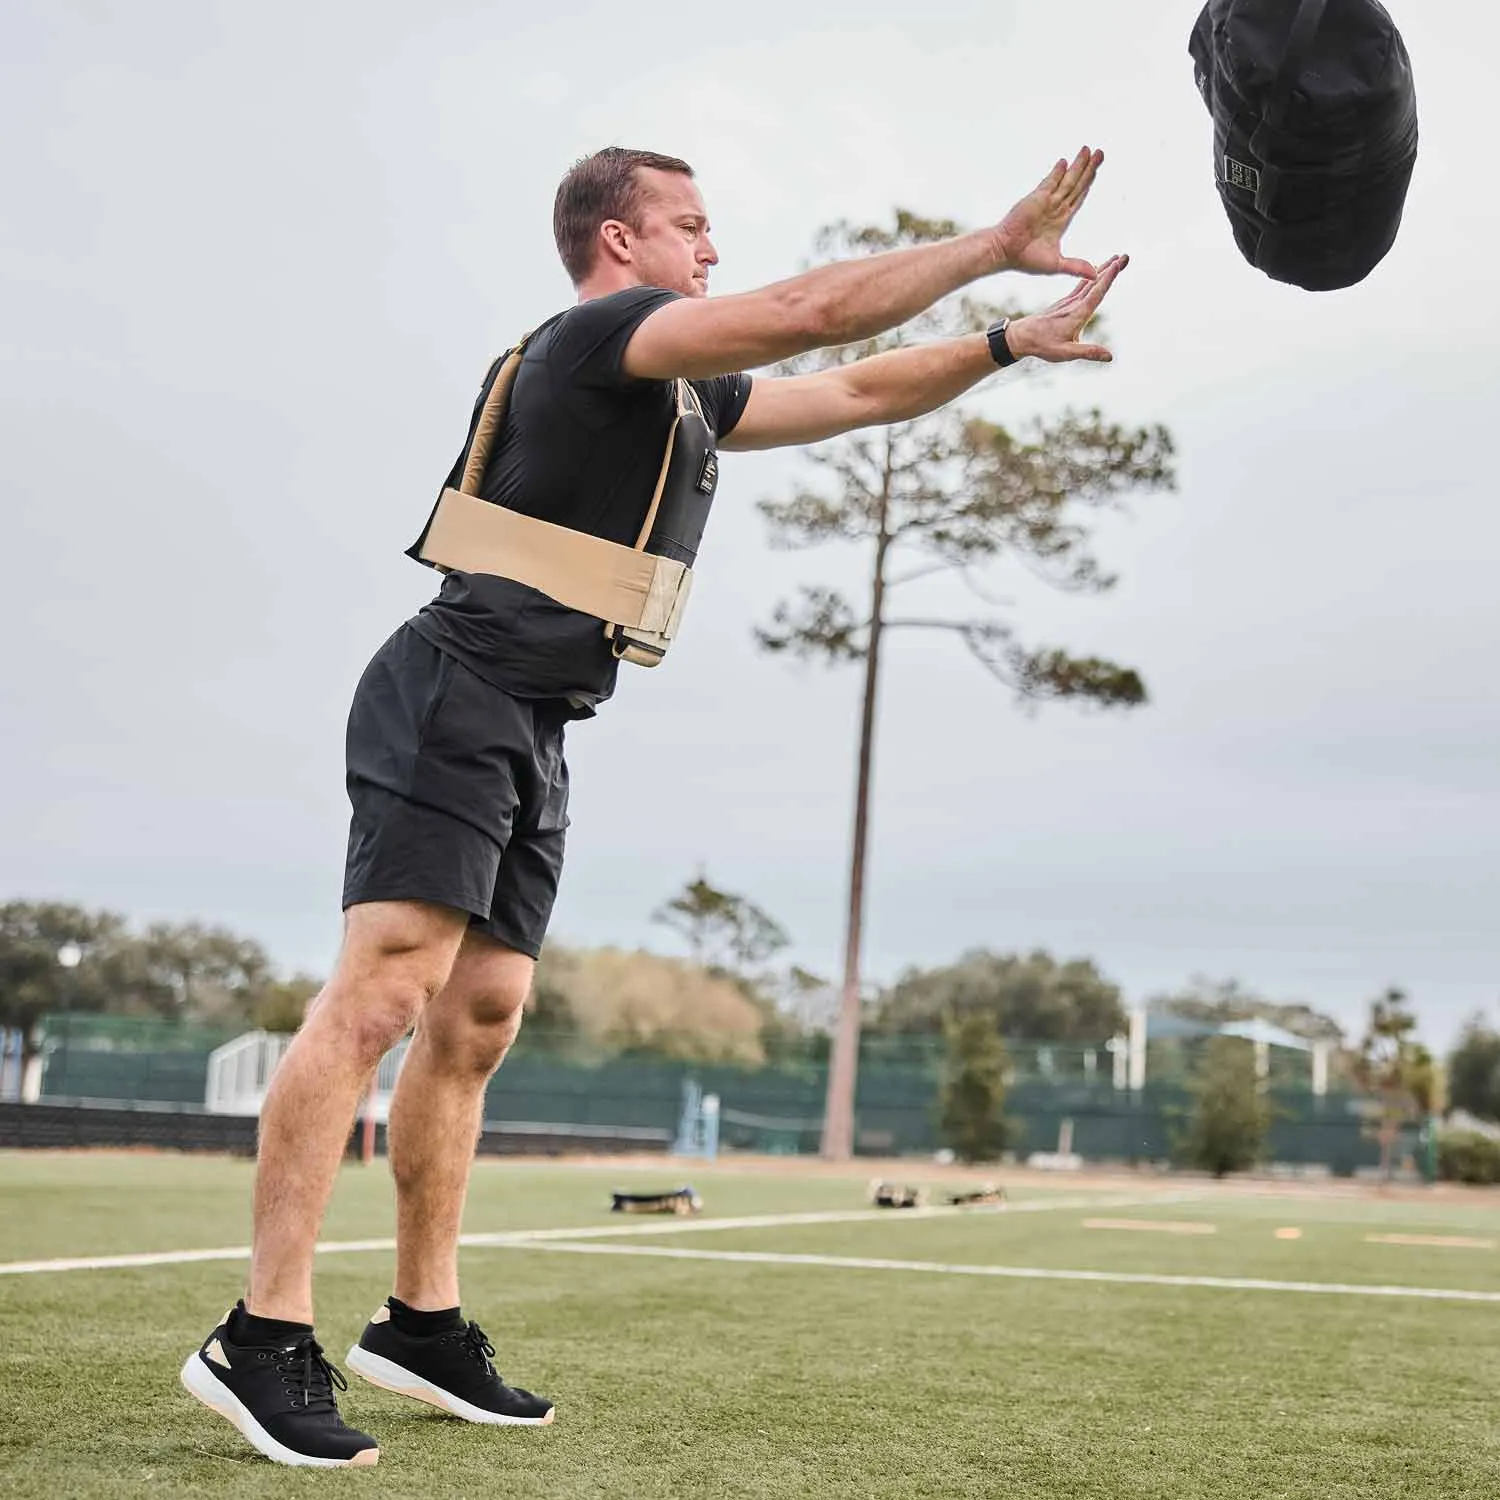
column 178, row 971
column 727, row 998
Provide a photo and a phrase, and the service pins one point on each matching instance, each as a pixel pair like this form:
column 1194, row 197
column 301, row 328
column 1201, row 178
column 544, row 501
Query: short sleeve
column 589, row 343
column 724, row 399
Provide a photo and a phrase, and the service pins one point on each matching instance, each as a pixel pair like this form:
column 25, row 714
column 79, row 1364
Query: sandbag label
column 1238, row 175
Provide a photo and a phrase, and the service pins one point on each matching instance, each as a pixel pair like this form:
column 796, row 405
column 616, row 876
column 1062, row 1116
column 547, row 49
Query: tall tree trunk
column 1389, row 1129
column 838, row 1111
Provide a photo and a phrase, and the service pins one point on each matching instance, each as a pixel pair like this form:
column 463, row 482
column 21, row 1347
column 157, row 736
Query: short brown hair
column 599, row 187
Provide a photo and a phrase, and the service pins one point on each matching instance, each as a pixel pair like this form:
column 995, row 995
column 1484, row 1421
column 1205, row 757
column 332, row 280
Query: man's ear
column 617, row 238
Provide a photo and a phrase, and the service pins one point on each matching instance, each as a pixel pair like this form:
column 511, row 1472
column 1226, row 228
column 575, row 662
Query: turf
column 721, row 1378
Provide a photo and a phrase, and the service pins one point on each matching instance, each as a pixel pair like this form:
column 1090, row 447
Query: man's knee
column 473, row 1023
column 473, row 1038
column 370, row 1018
column 375, row 1022
column 397, row 957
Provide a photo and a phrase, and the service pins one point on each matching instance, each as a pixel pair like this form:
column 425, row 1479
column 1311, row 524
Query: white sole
column 390, row 1376
column 214, row 1394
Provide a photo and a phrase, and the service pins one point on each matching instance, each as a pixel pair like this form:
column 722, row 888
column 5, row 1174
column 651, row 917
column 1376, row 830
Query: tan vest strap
column 596, row 577
column 490, row 420
column 640, row 597
column 666, row 463
column 685, row 390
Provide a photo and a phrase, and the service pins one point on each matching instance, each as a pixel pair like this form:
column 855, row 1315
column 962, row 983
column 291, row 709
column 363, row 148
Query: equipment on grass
column 1315, row 132
column 639, row 592
column 892, row 1195
column 988, row 1193
column 681, row 1200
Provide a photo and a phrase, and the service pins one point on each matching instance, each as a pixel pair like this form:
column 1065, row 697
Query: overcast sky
column 254, row 258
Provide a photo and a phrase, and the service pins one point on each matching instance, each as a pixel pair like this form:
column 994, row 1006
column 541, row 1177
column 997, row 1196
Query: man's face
column 670, row 247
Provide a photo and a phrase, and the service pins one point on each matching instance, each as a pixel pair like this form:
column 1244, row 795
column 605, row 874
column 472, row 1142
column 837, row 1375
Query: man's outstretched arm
column 856, row 299
column 908, row 383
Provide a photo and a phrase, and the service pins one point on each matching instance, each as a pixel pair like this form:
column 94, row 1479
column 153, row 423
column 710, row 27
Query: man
column 455, row 747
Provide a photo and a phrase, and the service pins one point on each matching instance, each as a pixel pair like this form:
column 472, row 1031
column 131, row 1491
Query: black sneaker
column 281, row 1399
column 451, row 1370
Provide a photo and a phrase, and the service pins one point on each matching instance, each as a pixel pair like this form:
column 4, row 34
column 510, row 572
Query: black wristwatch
column 1000, row 350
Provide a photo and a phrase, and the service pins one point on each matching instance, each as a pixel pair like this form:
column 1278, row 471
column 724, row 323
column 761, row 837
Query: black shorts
column 459, row 793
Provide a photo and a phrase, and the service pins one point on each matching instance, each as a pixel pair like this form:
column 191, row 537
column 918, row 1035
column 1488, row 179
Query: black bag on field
column 1315, row 132
column 681, row 1200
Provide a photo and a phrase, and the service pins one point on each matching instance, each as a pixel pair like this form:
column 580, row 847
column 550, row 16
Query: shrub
column 972, row 1102
column 1467, row 1156
column 1230, row 1116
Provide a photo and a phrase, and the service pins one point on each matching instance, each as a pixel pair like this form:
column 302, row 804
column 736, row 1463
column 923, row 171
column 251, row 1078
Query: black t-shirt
column 581, row 447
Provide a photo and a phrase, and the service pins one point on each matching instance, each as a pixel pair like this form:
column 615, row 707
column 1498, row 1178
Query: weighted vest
column 1315, row 132
column 638, row 592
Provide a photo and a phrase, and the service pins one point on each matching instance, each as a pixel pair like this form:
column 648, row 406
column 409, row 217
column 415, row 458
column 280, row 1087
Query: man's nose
column 707, row 252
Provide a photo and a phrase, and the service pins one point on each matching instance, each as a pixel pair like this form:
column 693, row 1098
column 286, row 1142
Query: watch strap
column 1000, row 350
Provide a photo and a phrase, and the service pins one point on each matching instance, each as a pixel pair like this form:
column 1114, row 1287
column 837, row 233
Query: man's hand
column 1054, row 335
column 1031, row 233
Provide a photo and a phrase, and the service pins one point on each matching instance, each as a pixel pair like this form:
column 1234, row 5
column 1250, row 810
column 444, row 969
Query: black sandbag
column 1315, row 132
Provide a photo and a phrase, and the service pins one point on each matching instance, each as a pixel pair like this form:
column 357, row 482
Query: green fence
column 128, row 1058
column 775, row 1106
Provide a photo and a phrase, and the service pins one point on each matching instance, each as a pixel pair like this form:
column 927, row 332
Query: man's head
column 633, row 218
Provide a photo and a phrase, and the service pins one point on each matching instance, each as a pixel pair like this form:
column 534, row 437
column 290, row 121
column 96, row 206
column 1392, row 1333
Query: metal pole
column 69, row 956
column 1137, row 1046
column 1320, row 1069
column 367, row 1133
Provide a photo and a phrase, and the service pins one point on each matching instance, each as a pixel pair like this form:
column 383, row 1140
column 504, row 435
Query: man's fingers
column 1081, row 289
column 1076, row 184
column 1068, row 188
column 1109, row 273
column 1085, row 179
column 1108, row 276
column 1070, row 353
column 1066, row 320
column 1089, row 291
column 1083, row 268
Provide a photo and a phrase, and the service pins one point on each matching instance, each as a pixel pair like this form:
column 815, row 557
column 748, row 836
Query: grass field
column 857, row 1354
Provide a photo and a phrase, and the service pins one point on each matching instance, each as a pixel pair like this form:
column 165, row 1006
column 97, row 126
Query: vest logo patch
column 1238, row 175
column 708, row 476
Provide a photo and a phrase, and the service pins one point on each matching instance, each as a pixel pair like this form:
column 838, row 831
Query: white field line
column 1013, row 1273
column 171, row 1257
column 842, row 1216
column 584, row 1231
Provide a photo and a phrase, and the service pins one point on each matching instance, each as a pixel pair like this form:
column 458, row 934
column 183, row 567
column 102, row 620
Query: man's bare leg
column 438, row 1108
column 419, row 1344
column 396, row 957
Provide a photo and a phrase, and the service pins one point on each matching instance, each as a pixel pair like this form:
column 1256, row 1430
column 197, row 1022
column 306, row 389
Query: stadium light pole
column 69, row 956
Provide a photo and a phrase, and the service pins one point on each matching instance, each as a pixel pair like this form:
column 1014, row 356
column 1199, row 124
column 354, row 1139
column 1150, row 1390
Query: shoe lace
column 309, row 1376
column 476, row 1346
